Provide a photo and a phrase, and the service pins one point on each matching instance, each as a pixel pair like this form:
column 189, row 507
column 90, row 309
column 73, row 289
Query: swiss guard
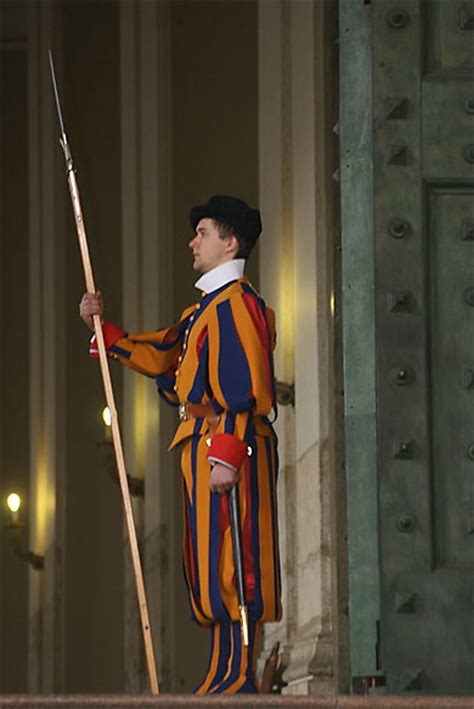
column 215, row 365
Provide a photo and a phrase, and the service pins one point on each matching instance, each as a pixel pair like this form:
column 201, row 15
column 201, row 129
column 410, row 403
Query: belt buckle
column 182, row 412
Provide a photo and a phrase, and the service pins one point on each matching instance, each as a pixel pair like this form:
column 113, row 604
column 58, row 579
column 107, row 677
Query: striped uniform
column 220, row 353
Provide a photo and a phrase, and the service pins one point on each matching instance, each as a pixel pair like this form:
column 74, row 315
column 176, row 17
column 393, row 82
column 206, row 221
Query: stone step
column 189, row 701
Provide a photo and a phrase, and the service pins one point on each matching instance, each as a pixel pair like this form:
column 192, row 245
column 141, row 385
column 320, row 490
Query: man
column 216, row 365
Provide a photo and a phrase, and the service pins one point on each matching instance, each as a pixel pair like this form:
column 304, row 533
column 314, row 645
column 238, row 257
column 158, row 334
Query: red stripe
column 200, row 340
column 261, row 326
column 247, row 540
column 224, row 519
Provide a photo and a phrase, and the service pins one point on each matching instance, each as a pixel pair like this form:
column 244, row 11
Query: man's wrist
column 213, row 462
column 229, row 449
column 111, row 334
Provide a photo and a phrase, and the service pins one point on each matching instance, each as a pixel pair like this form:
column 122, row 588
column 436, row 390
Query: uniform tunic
column 219, row 353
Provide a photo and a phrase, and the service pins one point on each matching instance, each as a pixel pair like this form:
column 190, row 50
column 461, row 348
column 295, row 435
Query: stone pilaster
column 145, row 122
column 297, row 279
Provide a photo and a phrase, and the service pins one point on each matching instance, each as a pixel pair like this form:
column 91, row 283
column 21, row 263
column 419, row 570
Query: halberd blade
column 56, row 92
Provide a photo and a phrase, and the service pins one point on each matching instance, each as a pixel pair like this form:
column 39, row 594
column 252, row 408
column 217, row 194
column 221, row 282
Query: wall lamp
column 285, row 393
column 18, row 528
column 136, row 486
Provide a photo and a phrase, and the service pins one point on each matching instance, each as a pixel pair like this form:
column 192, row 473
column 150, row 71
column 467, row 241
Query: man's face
column 209, row 250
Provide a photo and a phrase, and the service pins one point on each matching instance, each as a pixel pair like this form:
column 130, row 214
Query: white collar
column 221, row 275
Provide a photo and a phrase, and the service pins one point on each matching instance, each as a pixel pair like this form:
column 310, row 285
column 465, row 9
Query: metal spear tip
column 56, row 95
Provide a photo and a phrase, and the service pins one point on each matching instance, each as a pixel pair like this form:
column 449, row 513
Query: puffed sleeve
column 154, row 354
column 241, row 341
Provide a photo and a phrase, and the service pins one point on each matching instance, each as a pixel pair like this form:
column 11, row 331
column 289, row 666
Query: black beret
column 232, row 212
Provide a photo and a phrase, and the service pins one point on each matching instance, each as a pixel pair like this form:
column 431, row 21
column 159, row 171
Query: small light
column 107, row 416
column 332, row 304
column 14, row 502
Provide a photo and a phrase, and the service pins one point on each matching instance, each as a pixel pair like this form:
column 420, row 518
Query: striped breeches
column 231, row 668
column 208, row 554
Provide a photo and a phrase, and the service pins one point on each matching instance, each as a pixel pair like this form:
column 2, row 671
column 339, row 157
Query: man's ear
column 232, row 244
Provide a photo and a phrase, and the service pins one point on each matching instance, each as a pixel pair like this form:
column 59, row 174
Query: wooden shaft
column 116, row 437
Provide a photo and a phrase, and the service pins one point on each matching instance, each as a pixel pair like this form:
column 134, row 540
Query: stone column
column 277, row 266
column 147, row 304
column 297, row 277
column 47, row 452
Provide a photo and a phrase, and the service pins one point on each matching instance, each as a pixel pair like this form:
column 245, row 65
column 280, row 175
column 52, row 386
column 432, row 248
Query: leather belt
column 189, row 411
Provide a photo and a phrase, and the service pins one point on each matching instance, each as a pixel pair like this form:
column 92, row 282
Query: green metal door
column 421, row 196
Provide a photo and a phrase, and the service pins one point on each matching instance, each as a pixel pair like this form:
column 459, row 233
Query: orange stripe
column 185, row 378
column 188, row 366
column 241, row 420
column 215, row 659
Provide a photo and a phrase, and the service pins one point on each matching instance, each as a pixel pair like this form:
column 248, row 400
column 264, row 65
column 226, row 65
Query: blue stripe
column 218, row 609
column 236, row 657
column 233, row 368
column 164, row 346
column 205, row 301
column 165, row 382
column 201, row 376
column 216, row 406
column 229, row 423
column 224, row 654
column 197, row 426
column 248, row 672
column 120, row 351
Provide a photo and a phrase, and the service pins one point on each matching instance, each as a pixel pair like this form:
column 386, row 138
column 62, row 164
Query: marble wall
column 298, row 196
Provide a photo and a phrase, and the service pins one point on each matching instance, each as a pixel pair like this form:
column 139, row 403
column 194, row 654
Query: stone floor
column 164, row 701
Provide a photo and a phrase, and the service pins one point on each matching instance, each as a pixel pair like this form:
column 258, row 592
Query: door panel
column 452, row 374
column 423, row 122
column 419, row 250
column 448, row 136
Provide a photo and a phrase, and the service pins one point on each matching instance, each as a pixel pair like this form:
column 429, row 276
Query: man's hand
column 91, row 304
column 222, row 478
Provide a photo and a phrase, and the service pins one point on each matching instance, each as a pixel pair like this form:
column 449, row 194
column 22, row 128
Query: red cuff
column 111, row 333
column 229, row 448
